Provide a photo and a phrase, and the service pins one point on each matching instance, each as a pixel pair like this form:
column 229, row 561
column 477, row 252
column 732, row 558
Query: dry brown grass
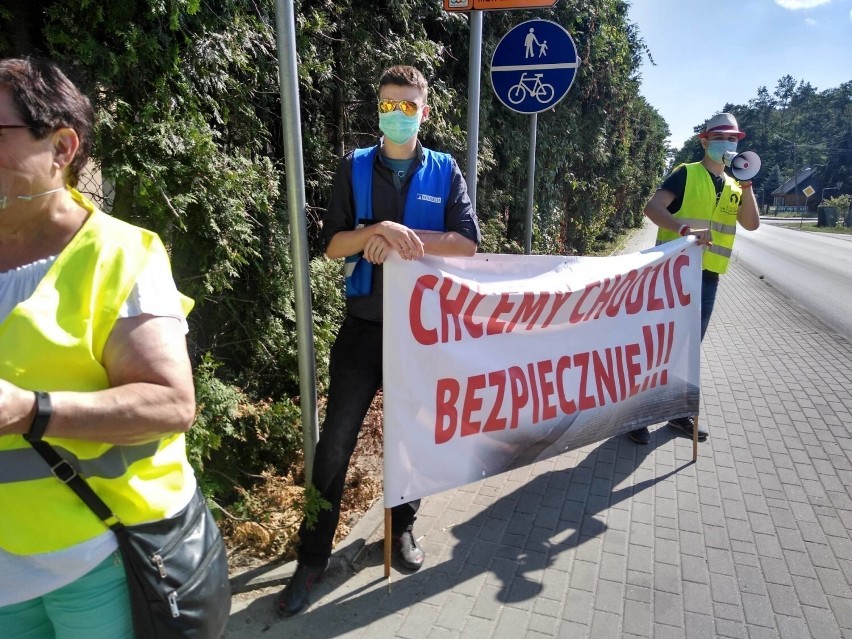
column 273, row 509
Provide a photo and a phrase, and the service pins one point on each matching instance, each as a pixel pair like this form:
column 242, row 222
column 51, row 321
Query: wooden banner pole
column 388, row 546
column 695, row 440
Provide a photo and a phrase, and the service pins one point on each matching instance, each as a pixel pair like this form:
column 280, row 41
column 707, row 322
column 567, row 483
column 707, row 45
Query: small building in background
column 790, row 196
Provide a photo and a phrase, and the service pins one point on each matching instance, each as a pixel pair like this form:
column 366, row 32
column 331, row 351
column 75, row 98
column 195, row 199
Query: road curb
column 344, row 559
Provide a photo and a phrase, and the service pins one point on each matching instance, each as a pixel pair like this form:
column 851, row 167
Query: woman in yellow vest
column 93, row 359
column 701, row 199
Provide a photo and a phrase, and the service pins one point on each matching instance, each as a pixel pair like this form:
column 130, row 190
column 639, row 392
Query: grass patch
column 813, row 228
column 783, row 214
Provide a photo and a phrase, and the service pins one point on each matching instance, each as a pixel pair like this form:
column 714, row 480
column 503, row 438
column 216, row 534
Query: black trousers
column 355, row 376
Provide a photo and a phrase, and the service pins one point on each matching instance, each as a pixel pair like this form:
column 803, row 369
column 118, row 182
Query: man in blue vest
column 395, row 196
column 701, row 199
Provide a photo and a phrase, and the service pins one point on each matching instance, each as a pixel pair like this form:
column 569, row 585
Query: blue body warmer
column 424, row 206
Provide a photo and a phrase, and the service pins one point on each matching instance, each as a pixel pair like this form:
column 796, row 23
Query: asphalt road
column 813, row 269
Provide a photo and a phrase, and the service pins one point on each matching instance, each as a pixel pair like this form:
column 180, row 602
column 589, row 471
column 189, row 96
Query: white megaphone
column 744, row 166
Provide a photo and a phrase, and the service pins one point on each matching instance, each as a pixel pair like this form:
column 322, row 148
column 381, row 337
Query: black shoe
column 687, row 425
column 408, row 551
column 640, row 435
column 297, row 595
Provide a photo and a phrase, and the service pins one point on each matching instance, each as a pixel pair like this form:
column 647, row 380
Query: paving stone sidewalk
column 621, row 540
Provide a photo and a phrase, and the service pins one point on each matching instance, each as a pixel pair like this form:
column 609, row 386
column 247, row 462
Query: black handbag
column 177, row 568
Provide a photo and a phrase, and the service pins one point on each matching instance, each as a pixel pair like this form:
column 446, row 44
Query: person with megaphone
column 700, row 199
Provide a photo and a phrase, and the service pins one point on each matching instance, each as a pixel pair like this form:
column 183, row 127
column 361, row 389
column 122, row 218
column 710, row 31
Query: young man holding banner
column 701, row 199
column 395, row 196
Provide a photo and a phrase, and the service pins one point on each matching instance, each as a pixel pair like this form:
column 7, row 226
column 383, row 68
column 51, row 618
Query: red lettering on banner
column 634, row 305
column 680, row 262
column 474, row 329
column 504, row 307
column 451, row 309
column 529, row 310
column 559, row 300
column 667, row 283
column 566, row 405
column 608, row 289
column 619, row 362
column 424, row 336
column 655, row 303
column 472, row 404
column 533, row 392
column 465, row 312
column 542, row 391
column 577, row 313
column 544, row 369
column 586, row 401
column 605, row 376
column 446, row 396
column 633, row 369
column 519, row 391
column 496, row 379
column 616, row 302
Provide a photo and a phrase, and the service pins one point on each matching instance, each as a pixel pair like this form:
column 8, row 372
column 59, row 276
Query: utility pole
column 795, row 177
column 761, row 197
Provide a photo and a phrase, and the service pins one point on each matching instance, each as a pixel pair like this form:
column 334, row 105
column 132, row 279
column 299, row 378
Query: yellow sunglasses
column 407, row 107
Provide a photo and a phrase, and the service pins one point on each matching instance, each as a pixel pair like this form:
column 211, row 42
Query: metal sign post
column 532, row 69
column 474, row 65
column 476, row 7
column 285, row 27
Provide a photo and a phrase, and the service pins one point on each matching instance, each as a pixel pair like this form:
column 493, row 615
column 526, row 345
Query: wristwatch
column 41, row 419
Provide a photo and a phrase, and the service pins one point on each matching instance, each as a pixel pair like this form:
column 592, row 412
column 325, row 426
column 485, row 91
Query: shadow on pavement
column 505, row 546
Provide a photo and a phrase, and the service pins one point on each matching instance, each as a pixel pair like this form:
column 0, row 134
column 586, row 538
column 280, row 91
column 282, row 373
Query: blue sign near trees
column 533, row 66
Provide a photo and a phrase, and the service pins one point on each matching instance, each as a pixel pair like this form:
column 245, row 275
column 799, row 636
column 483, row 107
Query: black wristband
column 42, row 417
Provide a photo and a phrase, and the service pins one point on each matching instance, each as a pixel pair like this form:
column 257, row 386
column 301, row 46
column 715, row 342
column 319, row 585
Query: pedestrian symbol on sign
column 533, row 66
column 531, row 40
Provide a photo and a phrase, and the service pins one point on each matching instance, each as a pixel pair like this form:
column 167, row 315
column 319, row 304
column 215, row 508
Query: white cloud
column 811, row 22
column 800, row 4
column 850, row 16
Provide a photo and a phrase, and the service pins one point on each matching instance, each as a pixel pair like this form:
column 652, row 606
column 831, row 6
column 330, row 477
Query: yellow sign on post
column 485, row 5
column 808, row 191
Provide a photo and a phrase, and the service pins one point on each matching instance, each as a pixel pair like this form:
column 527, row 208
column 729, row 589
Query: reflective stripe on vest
column 696, row 212
column 54, row 341
column 424, row 206
column 22, row 464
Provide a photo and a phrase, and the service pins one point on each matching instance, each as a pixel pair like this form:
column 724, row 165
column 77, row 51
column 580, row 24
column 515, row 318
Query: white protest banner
column 498, row 361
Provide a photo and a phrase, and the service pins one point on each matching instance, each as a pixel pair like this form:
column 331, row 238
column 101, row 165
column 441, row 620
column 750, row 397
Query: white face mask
column 4, row 200
column 716, row 149
column 15, row 181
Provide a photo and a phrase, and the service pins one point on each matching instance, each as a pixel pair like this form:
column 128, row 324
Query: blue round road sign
column 533, row 66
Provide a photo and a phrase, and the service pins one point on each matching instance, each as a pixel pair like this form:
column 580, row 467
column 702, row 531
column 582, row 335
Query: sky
column 711, row 52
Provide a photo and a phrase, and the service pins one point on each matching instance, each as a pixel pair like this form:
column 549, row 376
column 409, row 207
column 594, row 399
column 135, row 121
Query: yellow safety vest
column 54, row 341
column 698, row 211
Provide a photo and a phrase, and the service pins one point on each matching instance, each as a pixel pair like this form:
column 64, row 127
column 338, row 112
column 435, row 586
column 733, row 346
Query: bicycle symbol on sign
column 532, row 86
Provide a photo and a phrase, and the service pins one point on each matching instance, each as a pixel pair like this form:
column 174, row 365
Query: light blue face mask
column 716, row 149
column 398, row 127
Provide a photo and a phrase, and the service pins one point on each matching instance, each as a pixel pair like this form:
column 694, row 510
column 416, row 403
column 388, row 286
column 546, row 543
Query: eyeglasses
column 14, row 126
column 407, row 107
